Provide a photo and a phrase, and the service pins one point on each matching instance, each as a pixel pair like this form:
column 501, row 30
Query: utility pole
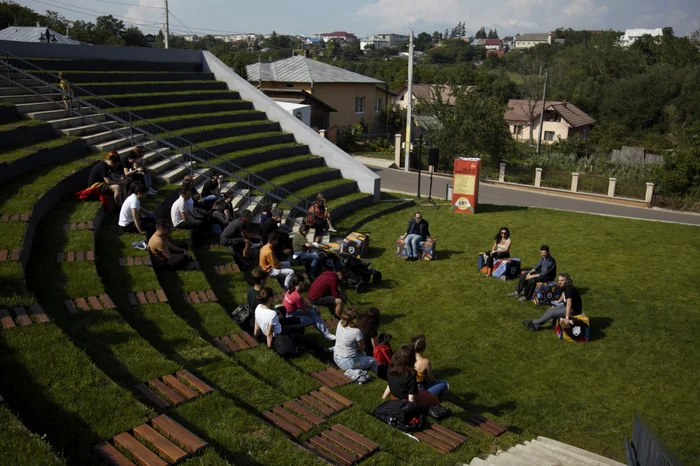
column 409, row 111
column 544, row 99
column 167, row 25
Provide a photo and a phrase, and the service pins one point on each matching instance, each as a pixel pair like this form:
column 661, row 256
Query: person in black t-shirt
column 567, row 306
column 238, row 239
column 211, row 190
column 104, row 174
column 401, row 377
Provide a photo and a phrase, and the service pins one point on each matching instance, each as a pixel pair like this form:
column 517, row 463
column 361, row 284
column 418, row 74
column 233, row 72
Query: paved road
column 398, row 180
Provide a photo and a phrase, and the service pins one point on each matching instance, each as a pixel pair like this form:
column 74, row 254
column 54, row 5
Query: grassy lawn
column 641, row 359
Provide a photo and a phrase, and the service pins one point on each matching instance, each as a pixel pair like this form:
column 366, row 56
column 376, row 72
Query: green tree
column 423, row 41
column 133, row 37
column 55, row 21
column 11, row 12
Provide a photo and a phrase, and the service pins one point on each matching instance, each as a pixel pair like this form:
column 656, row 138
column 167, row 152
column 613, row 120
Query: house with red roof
column 493, row 44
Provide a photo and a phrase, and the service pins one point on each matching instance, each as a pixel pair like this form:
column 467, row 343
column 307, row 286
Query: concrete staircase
column 545, row 452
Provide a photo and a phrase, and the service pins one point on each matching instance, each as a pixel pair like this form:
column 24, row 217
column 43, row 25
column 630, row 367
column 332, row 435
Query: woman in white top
column 350, row 344
column 267, row 324
column 500, row 249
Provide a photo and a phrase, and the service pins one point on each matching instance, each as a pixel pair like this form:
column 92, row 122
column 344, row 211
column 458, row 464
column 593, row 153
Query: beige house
column 562, row 120
column 355, row 97
column 426, row 93
column 525, row 41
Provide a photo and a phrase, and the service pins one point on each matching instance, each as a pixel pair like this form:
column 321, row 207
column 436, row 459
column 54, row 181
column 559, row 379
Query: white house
column 525, row 41
column 380, row 41
column 631, row 35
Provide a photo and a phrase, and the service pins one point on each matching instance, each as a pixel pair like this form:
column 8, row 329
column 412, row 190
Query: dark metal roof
column 304, row 70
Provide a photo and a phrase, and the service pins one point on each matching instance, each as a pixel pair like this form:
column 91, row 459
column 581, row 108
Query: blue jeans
column 358, row 362
column 311, row 317
column 437, row 387
column 311, row 258
column 412, row 243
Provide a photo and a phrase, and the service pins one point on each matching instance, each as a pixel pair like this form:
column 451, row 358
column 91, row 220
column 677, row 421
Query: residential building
column 631, row 35
column 340, row 35
column 562, row 120
column 493, row 44
column 355, row 97
column 320, row 111
column 479, row 43
column 35, row 34
column 427, row 93
column 525, row 41
column 380, row 41
column 507, row 42
column 498, row 53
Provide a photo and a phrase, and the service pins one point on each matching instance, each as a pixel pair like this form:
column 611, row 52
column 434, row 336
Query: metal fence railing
column 520, row 175
column 685, row 203
column 555, row 178
column 590, row 183
column 97, row 110
column 646, row 449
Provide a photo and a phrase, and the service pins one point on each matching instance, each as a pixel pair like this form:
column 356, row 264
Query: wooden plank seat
column 158, row 442
column 72, row 256
column 331, row 377
column 226, row 269
column 306, row 412
column 340, row 445
column 147, row 297
column 331, row 323
column 91, row 303
column 173, row 389
column 235, row 342
column 196, row 297
column 79, row 226
column 138, row 260
column 12, row 255
column 21, row 316
column 441, row 438
column 486, row 425
column 4, row 218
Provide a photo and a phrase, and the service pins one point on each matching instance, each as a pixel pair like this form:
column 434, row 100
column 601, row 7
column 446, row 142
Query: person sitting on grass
column 500, row 249
column 350, row 344
column 238, row 240
column 401, row 380
column 219, row 217
column 135, row 172
column 301, row 307
column 183, row 217
column 324, row 291
column 273, row 266
column 369, row 324
column 324, row 206
column 417, row 231
column 545, row 270
column 164, row 254
column 567, row 306
column 424, row 371
column 133, row 218
column 317, row 218
column 104, row 175
column 141, row 167
column 301, row 251
column 268, row 326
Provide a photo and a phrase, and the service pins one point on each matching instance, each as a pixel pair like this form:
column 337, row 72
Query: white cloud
column 146, row 18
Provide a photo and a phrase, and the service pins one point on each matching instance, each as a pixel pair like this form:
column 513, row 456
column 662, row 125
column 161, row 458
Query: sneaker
column 332, row 230
column 529, row 325
column 522, row 298
column 514, row 294
column 408, row 259
column 152, row 191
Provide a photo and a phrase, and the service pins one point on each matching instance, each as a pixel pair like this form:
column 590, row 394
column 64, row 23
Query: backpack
column 404, row 415
column 382, row 353
column 285, row 346
column 242, row 315
column 579, row 331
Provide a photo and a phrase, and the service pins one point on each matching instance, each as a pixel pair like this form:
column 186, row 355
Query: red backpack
column 382, row 353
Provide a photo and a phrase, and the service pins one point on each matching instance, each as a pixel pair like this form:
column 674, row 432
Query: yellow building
column 355, row 97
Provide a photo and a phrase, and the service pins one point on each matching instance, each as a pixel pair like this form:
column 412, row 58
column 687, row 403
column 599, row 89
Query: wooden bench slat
column 90, row 255
column 137, row 261
column 339, row 379
column 239, row 341
column 141, row 297
column 151, row 297
column 178, row 434
column 202, row 387
column 143, row 455
column 216, row 270
column 293, row 406
column 324, row 379
column 249, row 339
column 433, row 442
column 6, row 319
column 5, row 218
column 160, row 294
column 449, row 441
column 202, row 297
column 59, row 257
column 294, row 419
column 129, row 260
column 122, row 262
column 229, row 269
column 147, row 261
column 317, row 404
column 339, row 374
column 212, row 297
column 167, row 449
column 24, row 217
column 483, row 424
column 70, row 256
column 16, row 253
column 14, row 218
column 82, row 304
column 80, row 256
column 221, row 345
column 193, row 297
column 282, row 424
column 367, row 443
column 229, row 344
column 186, row 298
column 448, row 432
column 171, row 395
column 107, row 301
column 112, row 455
column 21, row 316
column 327, row 400
column 151, row 396
column 179, row 387
column 3, row 255
column 345, row 442
column 39, row 313
column 79, row 226
column 333, row 452
column 336, row 396
column 70, row 306
column 95, row 303
column 90, row 225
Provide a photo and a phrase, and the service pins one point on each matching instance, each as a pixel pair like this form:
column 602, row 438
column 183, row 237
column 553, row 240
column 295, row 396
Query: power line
column 176, row 19
column 130, row 4
column 136, row 21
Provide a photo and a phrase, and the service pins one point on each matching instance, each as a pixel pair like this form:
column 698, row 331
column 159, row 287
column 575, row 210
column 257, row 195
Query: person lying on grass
column 500, row 249
column 401, row 379
column 568, row 305
column 424, row 370
column 298, row 306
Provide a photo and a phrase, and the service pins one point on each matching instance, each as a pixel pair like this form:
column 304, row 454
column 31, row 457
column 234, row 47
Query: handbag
column 439, row 412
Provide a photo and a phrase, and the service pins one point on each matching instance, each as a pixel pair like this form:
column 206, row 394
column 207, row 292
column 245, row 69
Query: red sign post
column 465, row 185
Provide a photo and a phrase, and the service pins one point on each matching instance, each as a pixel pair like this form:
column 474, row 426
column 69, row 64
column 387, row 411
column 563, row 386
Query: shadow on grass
column 447, row 254
column 597, row 326
column 374, row 252
column 464, row 401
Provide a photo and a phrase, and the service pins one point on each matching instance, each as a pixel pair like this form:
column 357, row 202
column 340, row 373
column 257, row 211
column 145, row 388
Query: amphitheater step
column 578, row 452
column 165, row 163
column 56, row 113
column 545, row 452
column 116, row 143
column 74, row 121
column 22, row 316
column 89, row 129
column 18, row 90
column 304, row 413
column 235, row 342
column 75, row 256
column 340, row 445
column 91, row 303
column 173, row 389
column 196, row 297
column 29, row 98
column 20, row 82
column 106, row 136
column 138, row 260
column 331, row 377
column 147, row 297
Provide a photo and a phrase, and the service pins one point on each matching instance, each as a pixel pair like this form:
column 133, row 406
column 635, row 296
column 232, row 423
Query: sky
column 365, row 17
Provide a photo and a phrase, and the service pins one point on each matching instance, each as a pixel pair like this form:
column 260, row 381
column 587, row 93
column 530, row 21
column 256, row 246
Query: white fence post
column 611, row 187
column 538, row 177
column 574, row 182
column 322, row 133
column 397, row 150
column 502, row 173
column 649, row 194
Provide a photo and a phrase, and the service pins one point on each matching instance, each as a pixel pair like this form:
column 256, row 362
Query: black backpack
column 404, row 415
column 285, row 346
column 243, row 316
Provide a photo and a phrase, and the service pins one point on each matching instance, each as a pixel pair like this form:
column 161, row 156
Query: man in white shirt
column 136, row 219
column 182, row 215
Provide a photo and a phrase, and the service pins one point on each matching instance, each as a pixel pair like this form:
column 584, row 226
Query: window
column 378, row 105
column 517, row 129
column 549, row 135
column 359, row 105
column 288, row 85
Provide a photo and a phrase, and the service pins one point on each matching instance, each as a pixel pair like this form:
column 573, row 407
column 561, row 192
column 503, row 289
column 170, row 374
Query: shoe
column 152, row 191
column 514, row 294
column 522, row 298
column 408, row 259
column 332, row 230
column 529, row 325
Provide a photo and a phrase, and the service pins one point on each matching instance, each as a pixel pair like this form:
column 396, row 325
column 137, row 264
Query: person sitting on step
column 104, row 174
column 133, row 218
column 164, row 254
column 401, row 380
column 141, row 167
column 417, row 231
column 325, row 291
column 500, row 249
column 424, row 370
column 133, row 171
column 297, row 305
column 303, row 252
column 544, row 271
column 238, row 240
column 568, row 305
column 273, row 266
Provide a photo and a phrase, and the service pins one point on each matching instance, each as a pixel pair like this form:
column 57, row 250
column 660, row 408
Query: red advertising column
column 465, row 182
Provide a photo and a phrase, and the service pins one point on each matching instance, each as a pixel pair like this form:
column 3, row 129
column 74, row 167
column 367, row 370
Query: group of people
column 118, row 173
